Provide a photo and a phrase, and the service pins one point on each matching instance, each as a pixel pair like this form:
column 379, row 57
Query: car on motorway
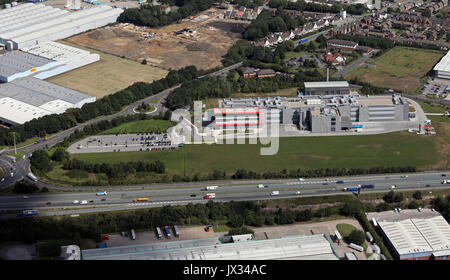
column 443, row 175
column 91, row 201
column 24, row 197
column 393, row 186
column 427, row 185
column 404, row 176
column 193, row 195
column 301, row 179
column 76, row 202
column 48, row 203
column 325, row 183
column 297, row 192
column 103, row 199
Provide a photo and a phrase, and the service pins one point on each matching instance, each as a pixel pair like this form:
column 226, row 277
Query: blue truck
column 29, row 212
column 351, row 189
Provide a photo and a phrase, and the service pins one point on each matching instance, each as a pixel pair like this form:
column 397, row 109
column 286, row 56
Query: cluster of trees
column 300, row 5
column 24, row 186
column 328, row 172
column 267, row 23
column 368, row 88
column 107, row 105
column 248, row 3
column 152, row 16
column 373, row 42
column 442, row 205
column 115, row 170
column 356, row 236
column 392, row 197
column 362, row 218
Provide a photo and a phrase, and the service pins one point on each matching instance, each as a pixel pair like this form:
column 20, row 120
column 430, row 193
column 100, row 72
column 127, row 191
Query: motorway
column 179, row 194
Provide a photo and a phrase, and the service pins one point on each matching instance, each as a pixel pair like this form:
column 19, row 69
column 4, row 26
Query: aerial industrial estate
column 224, row 130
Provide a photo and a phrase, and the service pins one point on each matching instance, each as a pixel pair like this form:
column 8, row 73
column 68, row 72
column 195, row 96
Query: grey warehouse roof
column 17, row 62
column 326, row 84
column 310, row 247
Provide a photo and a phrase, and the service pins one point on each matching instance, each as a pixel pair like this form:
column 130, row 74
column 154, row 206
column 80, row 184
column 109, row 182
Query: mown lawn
column 400, row 68
column 140, row 126
column 345, row 229
column 365, row 151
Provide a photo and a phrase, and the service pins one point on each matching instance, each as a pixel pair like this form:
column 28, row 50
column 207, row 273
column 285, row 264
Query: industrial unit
column 300, row 247
column 442, row 68
column 28, row 25
column 27, row 98
column 311, row 113
column 327, row 88
column 415, row 234
column 18, row 64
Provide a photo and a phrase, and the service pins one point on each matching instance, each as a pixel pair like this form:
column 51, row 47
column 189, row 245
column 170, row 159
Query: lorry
column 211, row 188
column 140, row 199
column 445, row 181
column 356, row 247
column 29, row 212
column 368, row 186
column 176, row 233
column 158, row 233
column 32, row 177
column 275, row 193
column 260, row 186
column 101, row 193
column 209, row 196
column 351, row 189
column 84, row 202
column 167, row 231
column 133, row 235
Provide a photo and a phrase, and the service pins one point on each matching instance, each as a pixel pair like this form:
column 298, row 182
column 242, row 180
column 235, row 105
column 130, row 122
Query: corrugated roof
column 443, row 64
column 310, row 247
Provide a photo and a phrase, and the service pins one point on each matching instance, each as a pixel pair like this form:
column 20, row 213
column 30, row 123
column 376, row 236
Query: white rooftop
column 443, row 64
column 326, row 84
column 309, row 247
column 418, row 235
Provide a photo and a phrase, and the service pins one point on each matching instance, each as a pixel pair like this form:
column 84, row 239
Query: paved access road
column 179, row 194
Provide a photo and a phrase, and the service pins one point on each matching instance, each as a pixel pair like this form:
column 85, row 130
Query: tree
column 413, row 205
column 426, row 13
column 356, row 236
column 25, row 187
column 60, row 155
column 417, row 195
column 389, row 197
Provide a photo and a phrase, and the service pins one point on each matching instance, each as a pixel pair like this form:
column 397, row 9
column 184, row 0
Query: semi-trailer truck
column 101, row 193
column 140, row 199
column 209, row 196
column 211, row 188
column 445, row 181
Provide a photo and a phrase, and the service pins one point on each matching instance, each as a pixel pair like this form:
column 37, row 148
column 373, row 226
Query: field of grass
column 108, row 75
column 140, row 126
column 432, row 107
column 400, row 68
column 345, row 229
column 393, row 149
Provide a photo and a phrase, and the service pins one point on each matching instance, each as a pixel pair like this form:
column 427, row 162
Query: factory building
column 27, row 98
column 237, row 117
column 17, row 64
column 442, row 69
column 419, row 234
column 28, row 25
column 320, row 114
column 327, row 88
column 299, row 247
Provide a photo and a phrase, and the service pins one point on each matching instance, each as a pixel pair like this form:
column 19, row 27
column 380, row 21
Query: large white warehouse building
column 442, row 69
column 27, row 98
column 28, row 25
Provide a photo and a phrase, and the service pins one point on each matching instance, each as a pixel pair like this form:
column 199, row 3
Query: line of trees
column 152, row 16
column 107, row 105
column 301, row 5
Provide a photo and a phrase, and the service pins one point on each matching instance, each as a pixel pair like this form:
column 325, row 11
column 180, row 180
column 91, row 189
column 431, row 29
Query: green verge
column 140, row 127
column 345, row 229
column 365, row 151
column 2, row 172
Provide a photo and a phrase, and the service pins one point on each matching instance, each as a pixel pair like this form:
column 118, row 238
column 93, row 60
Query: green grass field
column 393, row 149
column 108, row 75
column 140, row 126
column 345, row 229
column 400, row 68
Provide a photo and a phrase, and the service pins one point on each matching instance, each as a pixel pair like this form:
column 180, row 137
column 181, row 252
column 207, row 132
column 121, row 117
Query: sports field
column 400, row 68
column 140, row 126
column 108, row 75
column 393, row 149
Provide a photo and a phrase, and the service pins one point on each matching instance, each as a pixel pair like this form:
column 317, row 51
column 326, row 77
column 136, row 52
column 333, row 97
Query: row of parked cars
column 167, row 233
